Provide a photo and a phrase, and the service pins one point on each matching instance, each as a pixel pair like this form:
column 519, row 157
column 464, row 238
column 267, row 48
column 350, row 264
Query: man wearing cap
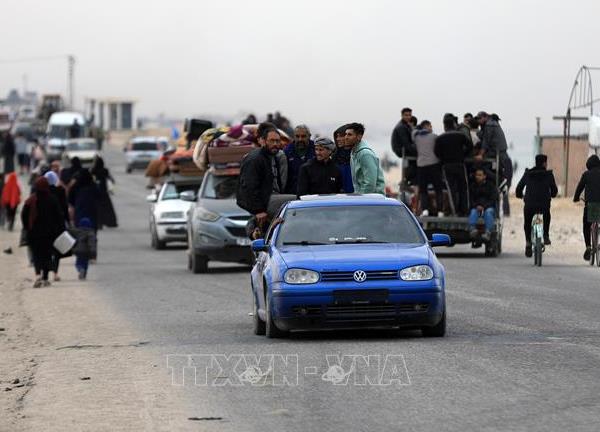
column 540, row 187
column 367, row 174
column 320, row 175
column 298, row 152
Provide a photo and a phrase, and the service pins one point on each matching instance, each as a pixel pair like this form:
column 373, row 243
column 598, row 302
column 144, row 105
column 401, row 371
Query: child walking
column 85, row 248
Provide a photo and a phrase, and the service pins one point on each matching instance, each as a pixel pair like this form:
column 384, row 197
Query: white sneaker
column 425, row 213
column 440, row 214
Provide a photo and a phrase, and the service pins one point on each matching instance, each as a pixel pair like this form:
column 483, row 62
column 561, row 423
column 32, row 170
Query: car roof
column 342, row 200
column 81, row 140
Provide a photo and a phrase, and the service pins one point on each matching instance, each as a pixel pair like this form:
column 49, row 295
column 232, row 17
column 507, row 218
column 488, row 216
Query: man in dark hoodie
column 451, row 148
column 403, row 145
column 590, row 183
column 483, row 204
column 540, row 188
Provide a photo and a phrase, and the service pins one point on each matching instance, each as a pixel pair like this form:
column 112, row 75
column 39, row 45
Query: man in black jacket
column 320, row 175
column 403, row 145
column 260, row 176
column 540, row 188
column 590, row 182
column 451, row 147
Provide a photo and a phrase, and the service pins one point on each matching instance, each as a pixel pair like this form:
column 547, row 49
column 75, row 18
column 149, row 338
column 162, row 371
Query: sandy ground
column 69, row 363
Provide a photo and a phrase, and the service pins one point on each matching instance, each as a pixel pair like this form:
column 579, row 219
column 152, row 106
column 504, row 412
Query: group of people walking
column 73, row 199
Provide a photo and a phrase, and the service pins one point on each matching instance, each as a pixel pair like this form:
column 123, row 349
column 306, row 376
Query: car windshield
column 58, row 131
column 144, row 146
column 220, row 187
column 348, row 224
column 172, row 190
column 82, row 145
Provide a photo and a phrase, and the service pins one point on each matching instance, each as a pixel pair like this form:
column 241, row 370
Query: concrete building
column 111, row 114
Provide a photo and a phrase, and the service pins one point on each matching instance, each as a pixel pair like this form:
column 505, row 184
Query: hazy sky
column 324, row 61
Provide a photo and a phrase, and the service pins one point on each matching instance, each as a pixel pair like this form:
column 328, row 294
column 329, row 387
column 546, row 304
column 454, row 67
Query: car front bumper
column 172, row 231
column 220, row 241
column 311, row 308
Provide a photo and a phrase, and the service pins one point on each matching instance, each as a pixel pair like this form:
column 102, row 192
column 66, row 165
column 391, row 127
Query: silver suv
column 216, row 225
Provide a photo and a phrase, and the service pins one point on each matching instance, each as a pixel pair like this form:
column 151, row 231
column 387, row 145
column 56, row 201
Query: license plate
column 360, row 296
column 243, row 241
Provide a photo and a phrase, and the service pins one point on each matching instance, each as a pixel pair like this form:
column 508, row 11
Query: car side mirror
column 152, row 198
column 187, row 195
column 260, row 246
column 440, row 240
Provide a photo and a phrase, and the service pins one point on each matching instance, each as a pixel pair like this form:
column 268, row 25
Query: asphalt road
column 522, row 350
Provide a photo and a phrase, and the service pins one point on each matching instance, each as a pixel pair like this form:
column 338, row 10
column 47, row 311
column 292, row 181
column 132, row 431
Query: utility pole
column 71, row 60
column 538, row 138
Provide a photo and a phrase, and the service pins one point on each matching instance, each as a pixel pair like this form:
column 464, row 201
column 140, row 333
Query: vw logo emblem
column 360, row 276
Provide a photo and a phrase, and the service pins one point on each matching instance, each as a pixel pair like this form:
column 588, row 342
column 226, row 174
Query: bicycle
column 537, row 238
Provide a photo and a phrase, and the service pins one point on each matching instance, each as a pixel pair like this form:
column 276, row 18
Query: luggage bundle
column 224, row 148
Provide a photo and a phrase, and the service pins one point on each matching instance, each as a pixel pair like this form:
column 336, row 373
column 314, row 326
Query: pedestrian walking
column 367, row 175
column 320, row 175
column 42, row 218
column 85, row 248
column 8, row 151
column 59, row 192
column 11, row 198
column 106, row 211
column 22, row 148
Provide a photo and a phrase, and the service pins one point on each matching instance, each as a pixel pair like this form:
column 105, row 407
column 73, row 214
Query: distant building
column 111, row 114
column 579, row 150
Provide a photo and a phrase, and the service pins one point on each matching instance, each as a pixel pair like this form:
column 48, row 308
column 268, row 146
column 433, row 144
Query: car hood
column 355, row 256
column 172, row 205
column 82, row 154
column 223, row 207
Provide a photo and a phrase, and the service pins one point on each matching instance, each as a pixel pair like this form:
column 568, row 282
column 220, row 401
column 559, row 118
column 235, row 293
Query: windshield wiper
column 304, row 243
column 358, row 241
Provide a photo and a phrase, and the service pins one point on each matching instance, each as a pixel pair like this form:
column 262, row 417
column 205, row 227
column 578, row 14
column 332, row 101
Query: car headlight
column 416, row 273
column 301, row 276
column 171, row 215
column 206, row 215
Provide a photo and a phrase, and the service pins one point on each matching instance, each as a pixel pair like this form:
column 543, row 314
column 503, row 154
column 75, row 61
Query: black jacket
column 452, row 147
column 540, row 188
column 49, row 223
column 402, row 139
column 61, row 196
column 590, row 181
column 319, row 178
column 256, row 181
column 483, row 194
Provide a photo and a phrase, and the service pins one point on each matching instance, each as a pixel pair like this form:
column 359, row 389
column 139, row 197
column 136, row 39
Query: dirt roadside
column 68, row 362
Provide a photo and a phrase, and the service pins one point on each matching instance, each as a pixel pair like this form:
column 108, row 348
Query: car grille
column 237, row 231
column 346, row 276
column 358, row 312
column 239, row 218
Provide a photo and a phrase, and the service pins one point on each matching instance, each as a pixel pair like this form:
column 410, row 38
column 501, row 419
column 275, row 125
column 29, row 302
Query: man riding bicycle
column 540, row 188
column 590, row 182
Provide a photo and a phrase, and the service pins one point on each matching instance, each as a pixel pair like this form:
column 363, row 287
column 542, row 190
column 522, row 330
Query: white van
column 60, row 130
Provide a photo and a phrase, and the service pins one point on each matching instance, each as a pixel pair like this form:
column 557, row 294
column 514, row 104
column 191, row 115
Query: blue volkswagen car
column 347, row 261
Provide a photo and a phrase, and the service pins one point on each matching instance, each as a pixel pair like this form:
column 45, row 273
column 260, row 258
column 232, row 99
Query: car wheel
column 271, row 329
column 199, row 263
column 128, row 170
column 259, row 325
column 438, row 330
column 156, row 243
